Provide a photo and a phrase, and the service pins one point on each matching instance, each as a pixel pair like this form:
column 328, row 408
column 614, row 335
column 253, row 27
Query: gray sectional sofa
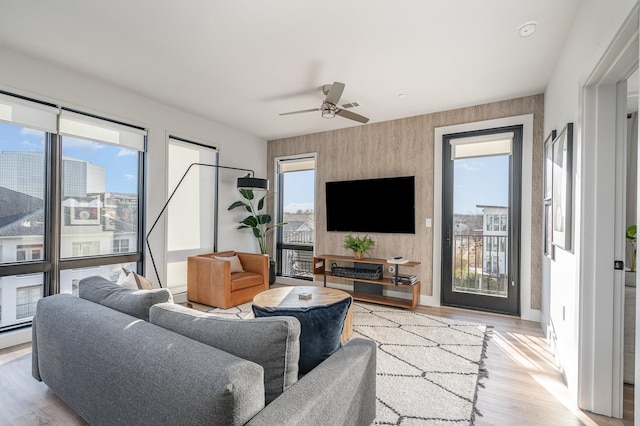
column 120, row 356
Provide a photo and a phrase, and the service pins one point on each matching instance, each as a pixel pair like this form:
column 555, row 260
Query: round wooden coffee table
column 289, row 297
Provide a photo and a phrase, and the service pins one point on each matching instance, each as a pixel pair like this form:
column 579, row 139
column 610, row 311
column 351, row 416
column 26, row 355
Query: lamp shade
column 253, row 183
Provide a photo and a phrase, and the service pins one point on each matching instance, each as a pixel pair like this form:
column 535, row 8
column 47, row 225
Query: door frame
column 526, row 312
column 511, row 304
column 600, row 325
column 277, row 208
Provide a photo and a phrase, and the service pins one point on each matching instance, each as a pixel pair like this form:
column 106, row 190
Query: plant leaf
column 250, row 221
column 256, row 233
column 263, row 219
column 261, row 203
column 247, row 193
column 237, row 204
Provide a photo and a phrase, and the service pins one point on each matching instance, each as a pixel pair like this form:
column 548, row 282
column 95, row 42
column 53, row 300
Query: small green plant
column 358, row 245
column 631, row 236
column 257, row 221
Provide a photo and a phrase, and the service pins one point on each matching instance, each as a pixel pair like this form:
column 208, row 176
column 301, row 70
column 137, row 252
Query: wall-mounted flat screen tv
column 384, row 205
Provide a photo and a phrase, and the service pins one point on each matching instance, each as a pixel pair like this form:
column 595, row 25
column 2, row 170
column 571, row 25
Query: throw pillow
column 131, row 302
column 235, row 264
column 127, row 280
column 320, row 329
column 142, row 282
column 272, row 343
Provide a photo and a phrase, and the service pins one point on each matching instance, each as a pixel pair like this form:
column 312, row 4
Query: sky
column 298, row 191
column 480, row 181
column 120, row 164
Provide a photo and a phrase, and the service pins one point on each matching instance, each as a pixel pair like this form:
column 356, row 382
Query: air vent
column 350, row 105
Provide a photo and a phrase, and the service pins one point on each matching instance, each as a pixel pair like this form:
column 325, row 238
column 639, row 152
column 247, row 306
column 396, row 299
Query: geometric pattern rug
column 428, row 368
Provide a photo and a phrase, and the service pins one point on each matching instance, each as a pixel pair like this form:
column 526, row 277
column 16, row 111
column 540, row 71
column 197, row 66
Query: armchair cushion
column 241, row 280
column 234, row 262
column 320, row 329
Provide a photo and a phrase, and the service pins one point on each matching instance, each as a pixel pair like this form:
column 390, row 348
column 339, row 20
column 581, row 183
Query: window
column 28, row 252
column 296, row 207
column 27, row 300
column 101, row 178
column 85, row 248
column 71, row 277
column 121, row 246
column 191, row 215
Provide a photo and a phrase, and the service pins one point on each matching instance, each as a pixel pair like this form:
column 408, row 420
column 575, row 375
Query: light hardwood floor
column 523, row 388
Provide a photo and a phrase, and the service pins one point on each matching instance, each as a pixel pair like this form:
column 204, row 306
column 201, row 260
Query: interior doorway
column 631, row 214
column 601, row 234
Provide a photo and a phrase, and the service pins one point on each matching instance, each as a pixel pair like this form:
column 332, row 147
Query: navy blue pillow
column 320, row 329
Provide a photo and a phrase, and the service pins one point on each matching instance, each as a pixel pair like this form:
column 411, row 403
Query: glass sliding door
column 296, row 207
column 481, row 226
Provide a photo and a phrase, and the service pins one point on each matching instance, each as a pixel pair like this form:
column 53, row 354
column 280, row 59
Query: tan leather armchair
column 210, row 281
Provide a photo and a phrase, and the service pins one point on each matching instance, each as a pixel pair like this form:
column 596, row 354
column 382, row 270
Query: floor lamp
column 246, row 182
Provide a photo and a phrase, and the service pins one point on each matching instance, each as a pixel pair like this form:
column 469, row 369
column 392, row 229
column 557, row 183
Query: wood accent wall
column 401, row 148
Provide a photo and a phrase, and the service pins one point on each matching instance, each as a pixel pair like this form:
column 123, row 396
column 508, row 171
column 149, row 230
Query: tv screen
column 373, row 205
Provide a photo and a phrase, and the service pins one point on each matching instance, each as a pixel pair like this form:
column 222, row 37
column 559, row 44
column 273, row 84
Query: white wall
column 26, row 76
column 593, row 30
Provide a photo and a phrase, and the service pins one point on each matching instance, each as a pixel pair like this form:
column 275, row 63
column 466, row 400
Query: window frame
column 279, row 245
column 50, row 264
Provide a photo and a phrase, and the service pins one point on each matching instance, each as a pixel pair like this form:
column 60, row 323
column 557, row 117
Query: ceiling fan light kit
column 328, row 108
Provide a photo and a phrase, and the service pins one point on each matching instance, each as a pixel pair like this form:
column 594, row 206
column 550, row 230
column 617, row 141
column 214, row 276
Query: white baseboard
column 15, row 337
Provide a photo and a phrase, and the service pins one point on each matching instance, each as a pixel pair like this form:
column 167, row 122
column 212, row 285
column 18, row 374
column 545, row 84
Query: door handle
column 447, row 238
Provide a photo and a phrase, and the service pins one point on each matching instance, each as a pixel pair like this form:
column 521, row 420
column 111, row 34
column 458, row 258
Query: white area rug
column 428, row 368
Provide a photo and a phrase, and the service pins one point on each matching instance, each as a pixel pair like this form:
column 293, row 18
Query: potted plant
column 358, row 245
column 259, row 223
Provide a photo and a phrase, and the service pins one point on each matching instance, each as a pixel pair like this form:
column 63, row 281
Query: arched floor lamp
column 246, row 182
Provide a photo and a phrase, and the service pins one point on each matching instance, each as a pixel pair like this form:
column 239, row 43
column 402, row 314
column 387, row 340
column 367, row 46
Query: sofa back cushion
column 272, row 343
column 117, row 370
column 131, row 302
column 321, row 327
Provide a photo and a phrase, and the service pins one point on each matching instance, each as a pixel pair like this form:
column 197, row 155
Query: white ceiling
column 242, row 62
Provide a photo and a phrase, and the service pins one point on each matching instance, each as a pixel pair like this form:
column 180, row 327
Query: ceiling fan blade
column 300, row 112
column 335, row 93
column 351, row 116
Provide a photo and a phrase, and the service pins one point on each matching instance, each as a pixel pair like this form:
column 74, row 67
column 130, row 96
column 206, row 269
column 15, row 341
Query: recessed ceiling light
column 527, row 29
column 402, row 95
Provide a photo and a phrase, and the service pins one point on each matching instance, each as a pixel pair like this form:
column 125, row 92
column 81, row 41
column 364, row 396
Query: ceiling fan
column 329, row 108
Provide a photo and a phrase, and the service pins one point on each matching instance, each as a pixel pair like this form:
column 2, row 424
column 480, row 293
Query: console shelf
column 322, row 268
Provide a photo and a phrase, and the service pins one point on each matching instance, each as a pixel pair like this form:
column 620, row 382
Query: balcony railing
column 26, row 310
column 480, row 264
column 297, row 254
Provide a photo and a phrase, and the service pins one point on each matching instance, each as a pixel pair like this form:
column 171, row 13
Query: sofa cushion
column 132, row 302
column 241, row 280
column 234, row 263
column 321, row 327
column 113, row 369
column 272, row 343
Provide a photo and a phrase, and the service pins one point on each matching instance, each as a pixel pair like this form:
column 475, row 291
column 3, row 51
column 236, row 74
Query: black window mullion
column 53, row 200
